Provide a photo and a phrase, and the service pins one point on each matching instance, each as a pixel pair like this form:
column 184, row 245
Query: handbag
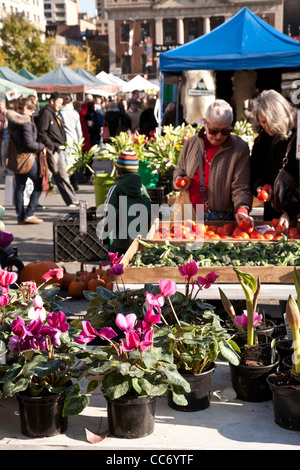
column 105, row 132
column 285, row 188
column 16, row 161
column 183, row 208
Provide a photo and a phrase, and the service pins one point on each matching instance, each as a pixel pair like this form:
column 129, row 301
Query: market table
column 228, row 424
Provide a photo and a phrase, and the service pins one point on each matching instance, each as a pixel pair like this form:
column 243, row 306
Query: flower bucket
column 131, row 417
column 250, row 382
column 149, row 179
column 102, row 183
column 286, row 402
column 198, row 397
column 42, row 416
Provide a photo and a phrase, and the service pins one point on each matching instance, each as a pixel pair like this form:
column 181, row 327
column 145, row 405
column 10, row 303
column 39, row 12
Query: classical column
column 206, row 25
column 180, row 31
column 159, row 37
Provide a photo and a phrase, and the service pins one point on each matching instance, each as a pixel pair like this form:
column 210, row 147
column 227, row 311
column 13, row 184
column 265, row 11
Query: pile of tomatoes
column 191, row 230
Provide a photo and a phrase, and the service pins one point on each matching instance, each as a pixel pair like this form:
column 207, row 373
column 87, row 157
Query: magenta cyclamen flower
column 189, row 269
column 132, row 341
column 156, row 301
column 4, row 299
column 54, row 273
column 89, row 333
column 242, row 320
column 116, row 270
column 126, row 322
column 58, row 320
column 208, row 280
column 167, row 288
column 7, row 278
column 114, row 259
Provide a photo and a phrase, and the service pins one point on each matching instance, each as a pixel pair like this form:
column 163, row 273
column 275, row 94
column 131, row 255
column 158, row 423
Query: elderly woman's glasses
column 225, row 132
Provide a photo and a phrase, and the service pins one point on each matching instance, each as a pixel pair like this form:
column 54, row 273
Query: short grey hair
column 219, row 111
column 278, row 112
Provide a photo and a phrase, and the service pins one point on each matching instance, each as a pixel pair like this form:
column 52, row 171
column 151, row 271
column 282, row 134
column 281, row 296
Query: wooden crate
column 134, row 275
column 157, row 223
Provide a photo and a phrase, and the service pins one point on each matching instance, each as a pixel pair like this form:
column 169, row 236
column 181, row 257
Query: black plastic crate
column 158, row 195
column 72, row 245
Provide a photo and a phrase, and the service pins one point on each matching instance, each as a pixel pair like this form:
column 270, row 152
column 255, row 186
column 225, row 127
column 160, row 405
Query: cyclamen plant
column 41, row 351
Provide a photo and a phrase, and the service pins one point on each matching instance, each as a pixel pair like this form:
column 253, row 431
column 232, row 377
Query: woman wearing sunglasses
column 217, row 165
column 274, row 118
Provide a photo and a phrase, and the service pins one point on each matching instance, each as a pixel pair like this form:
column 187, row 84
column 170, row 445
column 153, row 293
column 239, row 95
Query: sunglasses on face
column 224, row 132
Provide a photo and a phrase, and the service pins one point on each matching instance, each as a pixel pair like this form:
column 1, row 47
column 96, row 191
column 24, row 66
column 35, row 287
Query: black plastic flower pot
column 42, row 416
column 199, row 396
column 131, row 417
column 250, row 382
column 286, row 402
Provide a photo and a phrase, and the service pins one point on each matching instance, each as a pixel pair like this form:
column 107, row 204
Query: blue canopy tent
column 243, row 42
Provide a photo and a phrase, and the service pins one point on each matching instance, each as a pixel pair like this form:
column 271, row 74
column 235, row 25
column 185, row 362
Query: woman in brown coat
column 217, row 164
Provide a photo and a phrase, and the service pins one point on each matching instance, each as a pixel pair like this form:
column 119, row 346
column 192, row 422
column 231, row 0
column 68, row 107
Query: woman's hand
column 284, row 220
column 244, row 221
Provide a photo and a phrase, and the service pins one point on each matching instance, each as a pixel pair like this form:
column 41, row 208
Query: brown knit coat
column 229, row 176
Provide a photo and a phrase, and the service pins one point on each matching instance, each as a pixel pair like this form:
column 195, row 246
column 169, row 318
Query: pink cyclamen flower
column 87, row 334
column 242, row 320
column 208, row 280
column 30, row 286
column 57, row 273
column 37, row 312
column 132, row 341
column 189, row 269
column 4, row 299
column 167, row 288
column 7, row 278
column 107, row 333
column 58, row 320
column 125, row 322
column 156, row 301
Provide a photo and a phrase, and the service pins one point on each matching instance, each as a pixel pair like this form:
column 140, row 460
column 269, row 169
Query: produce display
column 191, row 230
column 249, row 253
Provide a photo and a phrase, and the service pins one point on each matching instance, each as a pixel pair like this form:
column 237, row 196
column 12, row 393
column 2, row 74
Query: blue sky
column 87, row 6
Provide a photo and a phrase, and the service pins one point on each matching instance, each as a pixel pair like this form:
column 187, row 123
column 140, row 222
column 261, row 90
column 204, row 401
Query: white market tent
column 111, row 79
column 141, row 84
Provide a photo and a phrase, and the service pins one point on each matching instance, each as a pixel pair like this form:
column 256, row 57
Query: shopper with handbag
column 52, row 134
column 217, row 166
column 22, row 158
column 273, row 158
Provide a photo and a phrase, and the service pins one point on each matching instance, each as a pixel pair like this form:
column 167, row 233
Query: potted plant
column 131, row 372
column 285, row 385
column 40, row 366
column 257, row 362
column 195, row 335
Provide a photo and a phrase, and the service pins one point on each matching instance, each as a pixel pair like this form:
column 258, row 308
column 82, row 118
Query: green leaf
column 151, row 387
column 92, row 385
column 174, row 377
column 115, row 385
column 10, row 388
column 179, row 398
column 41, row 368
column 229, row 353
column 75, row 404
column 13, row 372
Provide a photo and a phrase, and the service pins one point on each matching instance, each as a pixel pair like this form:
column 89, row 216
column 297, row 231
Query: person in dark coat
column 23, row 132
column 148, row 122
column 52, row 134
column 115, row 119
column 274, row 118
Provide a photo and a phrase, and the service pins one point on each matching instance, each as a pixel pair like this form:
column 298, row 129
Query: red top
column 195, row 194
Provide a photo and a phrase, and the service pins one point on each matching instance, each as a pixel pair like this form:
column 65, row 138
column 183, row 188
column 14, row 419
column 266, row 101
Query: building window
column 60, row 6
column 170, row 32
column 126, row 64
column 193, row 30
column 48, row 15
column 145, row 32
column 125, row 32
column 216, row 21
column 47, row 6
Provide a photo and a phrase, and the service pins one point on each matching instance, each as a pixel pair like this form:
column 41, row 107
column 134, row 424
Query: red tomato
column 244, row 225
column 275, row 222
column 267, row 187
column 262, row 195
column 255, row 235
column 269, row 235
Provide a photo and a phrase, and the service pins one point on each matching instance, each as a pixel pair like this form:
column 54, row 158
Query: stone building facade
column 139, row 30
